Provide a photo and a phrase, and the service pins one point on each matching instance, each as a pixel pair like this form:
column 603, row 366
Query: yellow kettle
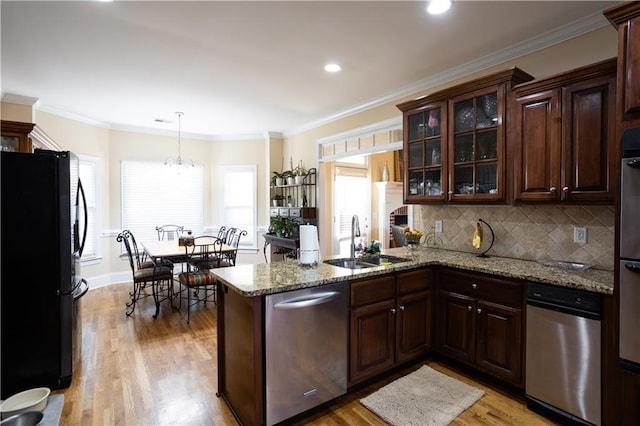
column 477, row 236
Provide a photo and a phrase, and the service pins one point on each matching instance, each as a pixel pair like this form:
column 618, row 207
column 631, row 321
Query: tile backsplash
column 532, row 232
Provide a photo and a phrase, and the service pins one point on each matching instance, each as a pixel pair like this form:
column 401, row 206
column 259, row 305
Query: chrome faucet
column 355, row 232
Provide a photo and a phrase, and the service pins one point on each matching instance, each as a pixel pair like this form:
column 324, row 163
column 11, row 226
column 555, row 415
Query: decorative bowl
column 29, row 400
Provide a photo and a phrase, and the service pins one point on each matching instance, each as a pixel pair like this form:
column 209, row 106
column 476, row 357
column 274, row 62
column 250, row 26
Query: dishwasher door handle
column 632, row 267
column 307, row 301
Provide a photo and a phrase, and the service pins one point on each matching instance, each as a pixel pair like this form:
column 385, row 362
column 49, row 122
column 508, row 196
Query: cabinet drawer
column 412, row 281
column 274, row 212
column 283, row 212
column 374, row 290
column 483, row 287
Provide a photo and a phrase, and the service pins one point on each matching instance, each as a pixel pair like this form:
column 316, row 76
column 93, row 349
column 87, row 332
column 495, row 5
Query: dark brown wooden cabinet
column 626, row 18
column 15, row 136
column 564, row 136
column 480, row 323
column 390, row 322
column 454, row 141
column 630, row 398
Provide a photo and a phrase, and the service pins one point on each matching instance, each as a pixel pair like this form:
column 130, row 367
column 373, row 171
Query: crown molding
column 12, row 98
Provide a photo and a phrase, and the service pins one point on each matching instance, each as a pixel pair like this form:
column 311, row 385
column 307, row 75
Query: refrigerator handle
column 86, row 217
column 632, row 268
column 84, row 290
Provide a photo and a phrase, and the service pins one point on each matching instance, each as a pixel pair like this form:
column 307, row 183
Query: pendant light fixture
column 180, row 162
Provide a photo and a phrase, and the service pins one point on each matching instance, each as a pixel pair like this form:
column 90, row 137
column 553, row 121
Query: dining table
column 160, row 250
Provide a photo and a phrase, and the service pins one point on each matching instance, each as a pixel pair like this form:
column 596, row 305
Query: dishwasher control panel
column 579, row 302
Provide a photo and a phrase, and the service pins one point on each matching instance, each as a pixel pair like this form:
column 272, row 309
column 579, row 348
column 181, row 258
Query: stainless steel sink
column 365, row 261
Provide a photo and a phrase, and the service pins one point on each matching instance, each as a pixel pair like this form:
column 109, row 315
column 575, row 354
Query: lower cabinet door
column 630, row 393
column 499, row 340
column 413, row 326
column 456, row 337
column 372, row 340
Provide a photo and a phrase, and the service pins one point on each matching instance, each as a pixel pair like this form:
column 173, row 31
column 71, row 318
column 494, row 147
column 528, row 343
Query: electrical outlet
column 580, row 234
column 438, row 226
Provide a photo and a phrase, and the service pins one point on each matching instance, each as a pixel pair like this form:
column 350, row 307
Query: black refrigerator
column 42, row 213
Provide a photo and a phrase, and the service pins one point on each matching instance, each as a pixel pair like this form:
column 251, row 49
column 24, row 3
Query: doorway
column 351, row 196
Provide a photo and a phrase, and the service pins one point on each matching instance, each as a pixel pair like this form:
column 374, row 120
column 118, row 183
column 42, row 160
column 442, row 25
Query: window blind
column 89, row 177
column 239, row 199
column 154, row 195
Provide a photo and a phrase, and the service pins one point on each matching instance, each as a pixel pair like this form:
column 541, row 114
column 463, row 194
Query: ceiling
column 245, row 68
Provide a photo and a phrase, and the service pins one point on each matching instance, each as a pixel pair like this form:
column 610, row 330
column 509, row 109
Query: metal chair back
column 222, row 233
column 234, row 241
column 169, row 232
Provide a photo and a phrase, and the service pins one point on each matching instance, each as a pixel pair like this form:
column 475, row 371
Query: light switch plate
column 438, row 226
column 580, row 234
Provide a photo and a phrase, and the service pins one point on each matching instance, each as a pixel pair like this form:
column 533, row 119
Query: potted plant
column 290, row 201
column 282, row 226
column 278, row 179
column 290, row 176
column 277, row 200
column 300, row 173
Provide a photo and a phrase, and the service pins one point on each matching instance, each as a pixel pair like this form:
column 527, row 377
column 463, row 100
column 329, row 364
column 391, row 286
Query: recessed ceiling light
column 332, row 68
column 437, row 7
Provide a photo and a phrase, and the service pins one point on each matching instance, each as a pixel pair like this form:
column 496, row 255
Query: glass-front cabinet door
column 425, row 155
column 476, row 147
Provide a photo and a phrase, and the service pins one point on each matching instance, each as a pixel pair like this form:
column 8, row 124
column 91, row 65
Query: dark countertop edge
column 576, row 279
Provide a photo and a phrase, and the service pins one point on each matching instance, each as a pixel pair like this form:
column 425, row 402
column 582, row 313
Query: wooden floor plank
column 141, row 371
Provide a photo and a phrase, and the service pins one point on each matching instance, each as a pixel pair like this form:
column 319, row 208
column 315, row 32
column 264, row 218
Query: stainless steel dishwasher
column 305, row 349
column 563, row 340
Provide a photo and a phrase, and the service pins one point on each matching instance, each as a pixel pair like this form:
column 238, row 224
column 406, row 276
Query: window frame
column 94, row 220
column 250, row 242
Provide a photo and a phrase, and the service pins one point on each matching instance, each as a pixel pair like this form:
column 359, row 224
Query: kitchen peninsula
column 241, row 308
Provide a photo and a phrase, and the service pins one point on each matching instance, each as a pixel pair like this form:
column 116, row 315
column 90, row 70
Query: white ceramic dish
column 29, row 400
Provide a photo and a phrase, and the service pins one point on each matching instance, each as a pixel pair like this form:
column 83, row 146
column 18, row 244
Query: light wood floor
column 141, row 371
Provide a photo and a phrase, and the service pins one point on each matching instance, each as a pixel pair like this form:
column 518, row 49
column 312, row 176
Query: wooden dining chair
column 197, row 281
column 146, row 277
column 169, row 232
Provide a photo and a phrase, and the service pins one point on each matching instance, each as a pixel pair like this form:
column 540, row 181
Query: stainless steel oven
column 629, row 289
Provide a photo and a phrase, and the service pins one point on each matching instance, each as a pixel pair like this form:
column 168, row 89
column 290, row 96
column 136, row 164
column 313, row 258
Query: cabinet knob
column 469, row 308
column 552, row 189
column 393, row 311
column 474, row 286
column 402, row 307
column 565, row 189
column 479, row 310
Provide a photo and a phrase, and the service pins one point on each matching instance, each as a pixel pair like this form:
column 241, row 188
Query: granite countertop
column 277, row 277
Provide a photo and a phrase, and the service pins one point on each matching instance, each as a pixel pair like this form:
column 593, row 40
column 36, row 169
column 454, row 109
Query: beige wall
column 14, row 112
column 112, row 146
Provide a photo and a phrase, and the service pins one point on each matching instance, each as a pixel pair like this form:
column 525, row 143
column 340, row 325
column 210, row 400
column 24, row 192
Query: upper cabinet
column 563, row 131
column 15, row 136
column 626, row 18
column 454, row 141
